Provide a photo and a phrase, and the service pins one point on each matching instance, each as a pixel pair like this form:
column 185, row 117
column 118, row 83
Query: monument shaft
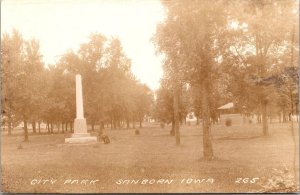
column 79, row 99
column 80, row 134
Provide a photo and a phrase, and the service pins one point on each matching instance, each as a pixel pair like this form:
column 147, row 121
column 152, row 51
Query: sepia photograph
column 149, row 96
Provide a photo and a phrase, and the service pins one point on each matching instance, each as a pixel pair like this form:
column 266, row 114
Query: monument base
column 80, row 126
column 80, row 139
column 80, row 133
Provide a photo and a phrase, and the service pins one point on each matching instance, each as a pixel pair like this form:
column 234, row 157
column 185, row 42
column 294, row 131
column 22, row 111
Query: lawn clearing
column 147, row 162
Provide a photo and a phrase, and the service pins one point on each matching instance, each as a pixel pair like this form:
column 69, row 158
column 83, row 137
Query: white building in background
column 190, row 117
column 228, row 108
column 149, row 119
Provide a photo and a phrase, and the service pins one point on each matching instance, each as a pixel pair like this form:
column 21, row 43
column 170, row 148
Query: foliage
column 34, row 93
column 191, row 39
column 281, row 181
column 260, row 45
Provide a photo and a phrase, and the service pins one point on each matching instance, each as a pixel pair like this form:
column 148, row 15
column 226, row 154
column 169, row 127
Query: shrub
column 20, row 146
column 137, row 132
column 281, row 181
column 228, row 122
column 105, row 139
column 162, row 125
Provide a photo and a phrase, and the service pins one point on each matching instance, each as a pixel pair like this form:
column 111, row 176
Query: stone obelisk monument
column 80, row 134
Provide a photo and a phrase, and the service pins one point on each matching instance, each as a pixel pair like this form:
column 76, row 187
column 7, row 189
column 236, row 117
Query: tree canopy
column 35, row 93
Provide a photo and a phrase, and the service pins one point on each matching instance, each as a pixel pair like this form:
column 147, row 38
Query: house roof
column 226, row 106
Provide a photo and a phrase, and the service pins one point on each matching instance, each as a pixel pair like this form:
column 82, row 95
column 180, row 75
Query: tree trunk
column 58, row 127
column 265, row 118
column 115, row 124
column 25, row 131
column 141, row 123
column 258, row 118
column 48, row 128
column 127, row 123
column 9, row 128
column 62, row 127
column 66, row 126
column 176, row 114
column 51, row 127
column 207, row 143
column 279, row 117
column 39, row 126
column 133, row 124
column 102, row 124
column 93, row 126
column 284, row 117
column 172, row 133
column 34, row 127
column 9, row 123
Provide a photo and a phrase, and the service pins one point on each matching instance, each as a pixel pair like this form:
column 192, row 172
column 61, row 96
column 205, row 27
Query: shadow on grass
column 239, row 137
column 168, row 135
column 214, row 159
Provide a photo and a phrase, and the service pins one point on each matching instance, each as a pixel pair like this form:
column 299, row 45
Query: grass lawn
column 240, row 153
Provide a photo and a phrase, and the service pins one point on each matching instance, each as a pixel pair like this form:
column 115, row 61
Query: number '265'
column 246, row 180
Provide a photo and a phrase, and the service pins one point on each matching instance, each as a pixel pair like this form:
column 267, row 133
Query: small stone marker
column 80, row 134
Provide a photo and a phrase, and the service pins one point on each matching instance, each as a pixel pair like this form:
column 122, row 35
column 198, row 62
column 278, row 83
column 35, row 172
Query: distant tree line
column 33, row 93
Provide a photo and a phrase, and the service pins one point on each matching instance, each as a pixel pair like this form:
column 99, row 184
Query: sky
column 60, row 25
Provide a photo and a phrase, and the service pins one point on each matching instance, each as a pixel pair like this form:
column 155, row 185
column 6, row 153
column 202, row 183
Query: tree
column 22, row 70
column 29, row 95
column 11, row 53
column 260, row 38
column 144, row 101
column 167, row 43
column 111, row 92
column 164, row 104
column 34, row 69
column 193, row 34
